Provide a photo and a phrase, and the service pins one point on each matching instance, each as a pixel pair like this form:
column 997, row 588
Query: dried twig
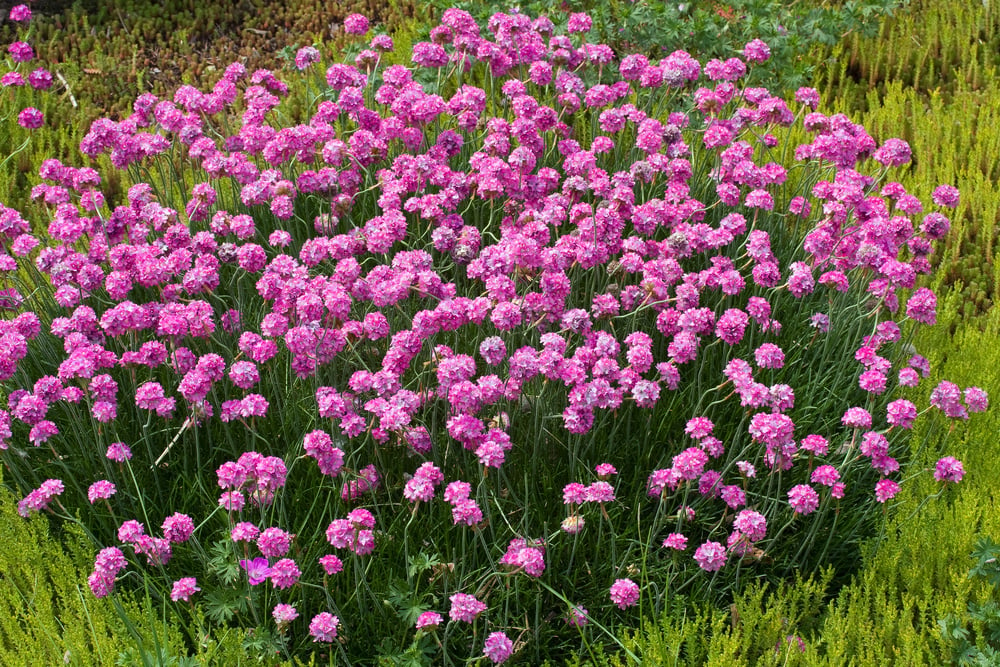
column 62, row 79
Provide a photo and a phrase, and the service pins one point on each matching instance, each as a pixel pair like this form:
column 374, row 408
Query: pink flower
column 756, row 51
column 257, row 570
column 600, row 492
column 857, row 418
column 331, row 564
column 578, row 616
column 573, row 524
column 183, row 589
column 522, row 555
column 803, row 499
column 885, row 489
column 769, row 355
column 901, row 413
column 20, row 13
column 498, row 648
column 323, row 627
column 465, row 607
column 826, row 475
column 274, row 542
column 710, row 556
column 119, row 451
column 949, row 469
column 976, row 399
column 605, row 470
column 578, row 22
column 284, row 573
column 624, row 593
column 178, row 527
column 356, row 24
column 100, row 490
column 429, row 621
column 945, row 195
column 752, row 524
column 675, row 541
column 30, row 118
column 283, row 615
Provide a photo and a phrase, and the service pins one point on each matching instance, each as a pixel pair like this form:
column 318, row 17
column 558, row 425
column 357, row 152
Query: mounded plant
column 492, row 355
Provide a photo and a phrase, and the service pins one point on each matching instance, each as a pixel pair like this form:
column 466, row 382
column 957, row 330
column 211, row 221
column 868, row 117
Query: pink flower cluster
column 40, row 498
column 354, row 533
column 426, row 274
column 110, row 561
column 524, row 555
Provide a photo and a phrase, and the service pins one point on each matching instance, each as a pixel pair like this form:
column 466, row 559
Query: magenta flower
column 578, row 22
column 577, row 616
column 178, row 528
column 803, row 499
column 976, row 399
column 949, row 469
column 710, row 556
column 885, row 489
column 331, row 564
column 274, row 542
column 30, row 118
column 769, row 355
column 901, row 413
column 751, row 523
column 40, row 498
column 624, row 593
column 100, row 490
column 675, row 541
column 119, row 451
column 21, row 13
column 323, row 627
column 498, row 648
column 756, row 51
column 826, row 475
column 284, row 573
column 945, row 195
column 356, row 24
column 429, row 621
column 522, row 555
column 257, row 570
column 183, row 589
column 465, row 607
column 283, row 615
column 857, row 418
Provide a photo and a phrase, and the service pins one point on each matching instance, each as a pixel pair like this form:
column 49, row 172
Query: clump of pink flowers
column 424, row 323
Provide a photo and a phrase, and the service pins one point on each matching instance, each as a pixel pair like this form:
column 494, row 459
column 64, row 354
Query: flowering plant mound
column 520, row 337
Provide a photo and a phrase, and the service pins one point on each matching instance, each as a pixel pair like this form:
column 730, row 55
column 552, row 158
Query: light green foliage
column 49, row 617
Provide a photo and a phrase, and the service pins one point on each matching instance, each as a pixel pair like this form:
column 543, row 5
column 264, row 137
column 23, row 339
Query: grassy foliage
column 48, row 617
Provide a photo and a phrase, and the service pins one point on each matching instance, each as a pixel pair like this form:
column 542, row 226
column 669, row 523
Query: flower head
column 183, row 589
column 498, row 648
column 710, row 556
column 624, row 593
column 949, row 469
column 323, row 627
column 257, row 570
column 429, row 621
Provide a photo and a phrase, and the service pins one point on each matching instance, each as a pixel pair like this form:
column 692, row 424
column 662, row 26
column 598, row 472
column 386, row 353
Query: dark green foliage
column 979, row 646
column 714, row 29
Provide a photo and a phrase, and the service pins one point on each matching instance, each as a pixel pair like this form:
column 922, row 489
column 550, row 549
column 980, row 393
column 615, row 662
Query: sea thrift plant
column 508, row 325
